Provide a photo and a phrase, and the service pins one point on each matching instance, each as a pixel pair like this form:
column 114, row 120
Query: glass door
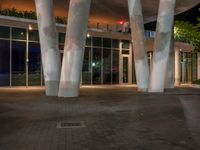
column 125, row 75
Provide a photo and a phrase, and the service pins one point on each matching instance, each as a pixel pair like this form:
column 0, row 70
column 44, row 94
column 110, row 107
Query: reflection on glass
column 125, row 44
column 88, row 41
column 61, row 37
column 106, row 66
column 194, row 66
column 33, row 35
column 106, row 42
column 96, row 66
column 125, row 69
column 4, row 63
column 19, row 33
column 86, row 71
column 133, row 69
column 18, row 63
column 97, row 41
column 34, row 64
column 115, row 43
column 115, row 67
column 4, row 32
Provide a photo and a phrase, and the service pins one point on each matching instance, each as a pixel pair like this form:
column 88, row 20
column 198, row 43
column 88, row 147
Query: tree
column 187, row 32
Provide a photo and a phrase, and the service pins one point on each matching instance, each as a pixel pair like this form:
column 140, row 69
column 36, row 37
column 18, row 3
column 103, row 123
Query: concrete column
column 74, row 48
column 198, row 65
column 139, row 44
column 170, row 73
column 162, row 45
column 177, row 67
column 49, row 46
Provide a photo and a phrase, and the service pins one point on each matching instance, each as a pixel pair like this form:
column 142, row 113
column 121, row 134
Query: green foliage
column 196, row 82
column 187, row 32
column 27, row 15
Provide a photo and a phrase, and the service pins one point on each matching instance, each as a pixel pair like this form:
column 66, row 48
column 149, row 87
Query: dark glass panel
column 115, row 43
column 125, row 69
column 194, row 66
column 115, row 67
column 97, row 41
column 4, row 63
column 33, row 35
column 125, row 52
column 61, row 37
column 133, row 69
column 125, row 44
column 34, row 64
column 106, row 42
column 88, row 41
column 86, row 71
column 96, row 66
column 18, row 34
column 106, row 66
column 4, row 32
column 61, row 46
column 18, row 63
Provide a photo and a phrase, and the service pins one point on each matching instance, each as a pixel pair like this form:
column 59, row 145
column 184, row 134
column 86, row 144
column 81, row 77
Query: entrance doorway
column 125, row 75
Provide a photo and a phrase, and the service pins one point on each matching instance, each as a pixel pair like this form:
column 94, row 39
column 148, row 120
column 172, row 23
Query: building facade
column 108, row 57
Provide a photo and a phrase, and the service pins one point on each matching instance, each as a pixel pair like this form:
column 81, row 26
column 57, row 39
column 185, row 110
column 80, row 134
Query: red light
column 121, row 22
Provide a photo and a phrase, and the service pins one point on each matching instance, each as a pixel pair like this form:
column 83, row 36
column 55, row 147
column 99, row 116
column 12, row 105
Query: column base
column 68, row 89
column 51, row 88
column 142, row 89
column 155, row 90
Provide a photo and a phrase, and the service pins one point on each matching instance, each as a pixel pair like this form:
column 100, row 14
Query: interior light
column 30, row 27
column 88, row 35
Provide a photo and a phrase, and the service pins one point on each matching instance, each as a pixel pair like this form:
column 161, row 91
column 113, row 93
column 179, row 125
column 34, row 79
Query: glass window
column 88, row 41
column 106, row 42
column 194, row 66
column 4, row 32
column 115, row 43
column 33, row 35
column 97, row 41
column 125, row 69
column 61, row 37
column 18, row 63
column 115, row 67
column 34, row 64
column 125, row 44
column 19, row 33
column 86, row 71
column 96, row 66
column 133, row 69
column 106, row 66
column 4, row 63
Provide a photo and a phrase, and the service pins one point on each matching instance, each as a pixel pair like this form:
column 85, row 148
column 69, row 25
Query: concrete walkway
column 114, row 118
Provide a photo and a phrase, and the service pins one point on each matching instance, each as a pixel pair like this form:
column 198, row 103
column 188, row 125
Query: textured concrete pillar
column 139, row 44
column 162, row 45
column 170, row 73
column 198, row 65
column 49, row 46
column 177, row 67
column 74, row 48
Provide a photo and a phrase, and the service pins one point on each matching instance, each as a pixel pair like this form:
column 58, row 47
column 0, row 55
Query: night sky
column 190, row 15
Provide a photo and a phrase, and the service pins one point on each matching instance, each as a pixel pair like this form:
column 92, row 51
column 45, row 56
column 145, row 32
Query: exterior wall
column 18, row 71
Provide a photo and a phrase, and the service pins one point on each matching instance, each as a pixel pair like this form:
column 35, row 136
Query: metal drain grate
column 71, row 125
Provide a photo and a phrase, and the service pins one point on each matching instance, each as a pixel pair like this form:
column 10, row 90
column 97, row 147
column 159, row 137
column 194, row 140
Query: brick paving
column 116, row 118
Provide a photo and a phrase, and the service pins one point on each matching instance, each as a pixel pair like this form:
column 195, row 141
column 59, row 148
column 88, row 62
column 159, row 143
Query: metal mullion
column 10, row 57
column 102, row 62
column 111, row 63
column 27, row 45
column 91, row 61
